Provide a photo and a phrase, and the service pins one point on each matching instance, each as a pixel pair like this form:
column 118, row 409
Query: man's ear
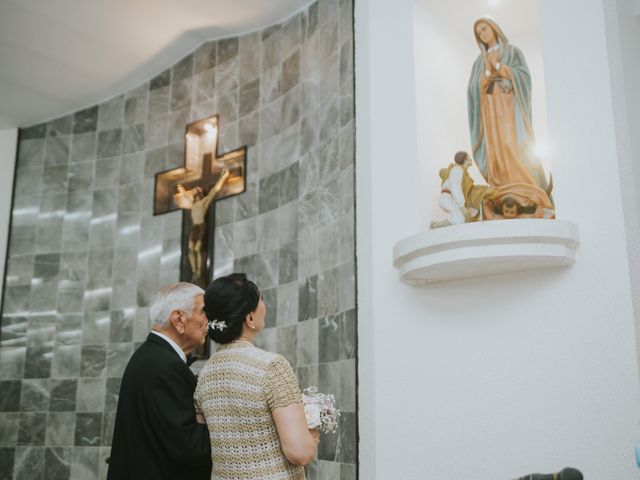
column 177, row 319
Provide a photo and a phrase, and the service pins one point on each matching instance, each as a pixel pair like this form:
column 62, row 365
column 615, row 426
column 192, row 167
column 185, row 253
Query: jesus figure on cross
column 198, row 203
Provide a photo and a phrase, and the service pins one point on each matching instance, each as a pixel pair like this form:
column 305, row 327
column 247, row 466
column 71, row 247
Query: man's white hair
column 178, row 296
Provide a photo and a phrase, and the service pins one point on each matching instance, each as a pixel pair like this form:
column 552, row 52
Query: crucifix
column 194, row 187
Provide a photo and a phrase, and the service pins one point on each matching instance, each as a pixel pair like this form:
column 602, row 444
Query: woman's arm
column 298, row 443
column 285, row 402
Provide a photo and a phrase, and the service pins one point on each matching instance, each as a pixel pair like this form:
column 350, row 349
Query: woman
column 499, row 103
column 250, row 398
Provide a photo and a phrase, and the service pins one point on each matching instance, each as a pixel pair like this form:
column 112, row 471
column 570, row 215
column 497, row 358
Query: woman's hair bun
column 228, row 300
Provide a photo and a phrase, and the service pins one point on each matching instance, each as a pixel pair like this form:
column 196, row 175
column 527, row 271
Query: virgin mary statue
column 502, row 139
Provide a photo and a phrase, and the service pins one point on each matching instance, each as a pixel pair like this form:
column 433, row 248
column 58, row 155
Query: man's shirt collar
column 173, row 344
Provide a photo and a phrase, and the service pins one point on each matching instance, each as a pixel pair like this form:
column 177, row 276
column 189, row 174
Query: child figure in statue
column 459, row 197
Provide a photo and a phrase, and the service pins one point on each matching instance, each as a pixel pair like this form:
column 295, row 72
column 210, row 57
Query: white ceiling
column 58, row 56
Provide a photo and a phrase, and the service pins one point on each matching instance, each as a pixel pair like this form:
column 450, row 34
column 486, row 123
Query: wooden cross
column 187, row 187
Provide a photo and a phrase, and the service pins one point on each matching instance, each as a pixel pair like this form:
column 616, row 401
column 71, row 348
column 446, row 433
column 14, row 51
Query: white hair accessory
column 220, row 325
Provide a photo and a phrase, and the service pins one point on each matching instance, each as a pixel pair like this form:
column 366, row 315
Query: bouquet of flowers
column 320, row 410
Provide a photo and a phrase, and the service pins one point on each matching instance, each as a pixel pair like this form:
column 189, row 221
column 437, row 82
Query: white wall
column 623, row 39
column 627, row 45
column 8, row 145
column 443, row 64
column 497, row 377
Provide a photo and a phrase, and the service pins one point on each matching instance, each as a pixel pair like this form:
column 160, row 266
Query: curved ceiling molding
column 61, row 56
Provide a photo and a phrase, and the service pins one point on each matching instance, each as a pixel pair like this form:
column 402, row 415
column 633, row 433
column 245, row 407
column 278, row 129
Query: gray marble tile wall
column 86, row 254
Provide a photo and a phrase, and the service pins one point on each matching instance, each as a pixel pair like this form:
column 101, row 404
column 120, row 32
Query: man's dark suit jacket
column 156, row 435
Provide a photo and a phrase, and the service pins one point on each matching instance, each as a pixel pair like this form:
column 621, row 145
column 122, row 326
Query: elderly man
column 156, row 433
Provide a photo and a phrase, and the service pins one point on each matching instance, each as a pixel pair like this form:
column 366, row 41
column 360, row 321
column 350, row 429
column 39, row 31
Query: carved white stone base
column 485, row 248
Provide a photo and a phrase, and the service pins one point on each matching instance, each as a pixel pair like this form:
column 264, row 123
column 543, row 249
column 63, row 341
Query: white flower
column 312, row 412
column 220, row 325
column 324, row 406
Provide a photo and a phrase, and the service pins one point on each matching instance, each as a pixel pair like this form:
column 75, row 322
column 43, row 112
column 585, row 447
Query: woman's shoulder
column 510, row 47
column 513, row 53
column 478, row 66
column 242, row 353
column 477, row 62
column 279, row 366
column 263, row 354
column 269, row 361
